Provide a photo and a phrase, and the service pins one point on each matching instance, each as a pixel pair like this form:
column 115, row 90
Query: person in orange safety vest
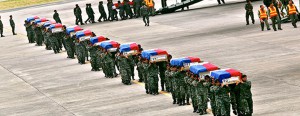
column 292, row 11
column 274, row 17
column 263, row 17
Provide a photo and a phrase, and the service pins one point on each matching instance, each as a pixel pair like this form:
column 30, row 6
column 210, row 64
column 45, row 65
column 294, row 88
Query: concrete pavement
column 38, row 82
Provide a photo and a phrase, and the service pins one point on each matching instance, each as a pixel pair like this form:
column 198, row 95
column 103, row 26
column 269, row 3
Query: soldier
column 127, row 9
column 274, row 17
column 145, row 14
column 12, row 24
column 168, row 78
column 54, row 42
column 30, row 33
column 212, row 96
column 249, row 12
column 94, row 58
column 102, row 12
column 38, row 35
column 207, row 85
column 174, row 90
column 81, row 52
column 293, row 13
column 201, row 96
column 88, row 12
column 179, row 76
column 108, row 64
column 222, row 99
column 194, row 83
column 136, row 7
column 219, row 2
column 145, row 74
column 245, row 96
column 125, row 69
column 56, row 17
column 262, row 14
column 1, row 28
column 92, row 13
column 77, row 13
column 46, row 39
column 162, row 69
column 121, row 10
column 70, row 46
column 163, row 3
column 153, row 78
column 110, row 10
column 140, row 69
column 187, row 87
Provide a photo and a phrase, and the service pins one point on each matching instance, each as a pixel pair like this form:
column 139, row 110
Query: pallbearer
column 201, row 85
column 70, row 40
column 82, row 37
column 153, row 56
column 38, row 31
column 109, row 47
column 94, row 52
column 223, row 78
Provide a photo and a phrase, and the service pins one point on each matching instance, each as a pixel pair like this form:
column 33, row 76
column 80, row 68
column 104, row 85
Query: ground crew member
column 274, row 17
column 1, row 28
column 267, row 2
column 262, row 14
column 56, row 17
column 12, row 24
column 77, row 13
column 292, row 12
column 245, row 100
column 249, row 12
column 125, row 69
column 102, row 12
column 153, row 78
column 145, row 14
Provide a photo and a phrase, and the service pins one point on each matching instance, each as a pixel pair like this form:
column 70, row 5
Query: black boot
column 204, row 111
column 201, row 112
column 195, row 109
column 174, row 101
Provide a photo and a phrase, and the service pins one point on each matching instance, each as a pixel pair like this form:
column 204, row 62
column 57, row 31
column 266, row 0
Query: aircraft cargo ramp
column 174, row 7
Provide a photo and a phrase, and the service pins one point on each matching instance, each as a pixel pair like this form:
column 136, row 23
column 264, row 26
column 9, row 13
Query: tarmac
column 35, row 81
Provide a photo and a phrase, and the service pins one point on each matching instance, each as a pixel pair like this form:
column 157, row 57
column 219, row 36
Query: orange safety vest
column 273, row 12
column 263, row 14
column 149, row 3
column 292, row 9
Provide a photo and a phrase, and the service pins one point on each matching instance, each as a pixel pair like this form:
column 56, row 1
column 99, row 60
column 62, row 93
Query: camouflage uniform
column 162, row 69
column 145, row 75
column 94, row 58
column 187, row 82
column 201, row 97
column 47, row 40
column 181, row 87
column 38, row 36
column 108, row 64
column 212, row 95
column 153, row 78
column 70, row 46
column 30, row 33
column 140, row 70
column 194, row 94
column 125, row 70
column 168, row 80
column 54, row 42
column 222, row 100
column 81, row 52
column 174, row 87
column 245, row 98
